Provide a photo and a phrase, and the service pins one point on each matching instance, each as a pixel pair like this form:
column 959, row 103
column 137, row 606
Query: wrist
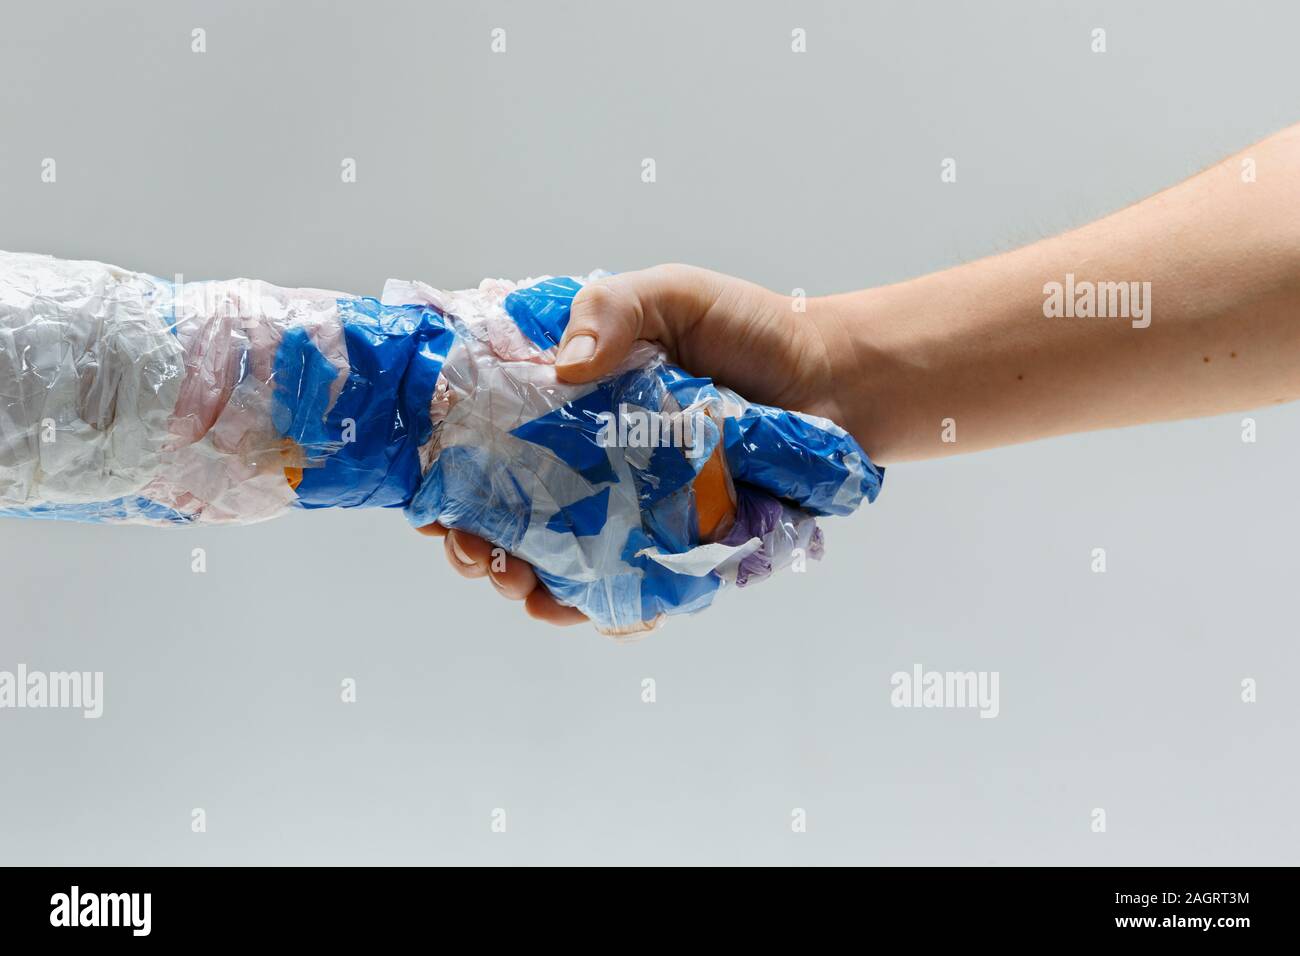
column 871, row 376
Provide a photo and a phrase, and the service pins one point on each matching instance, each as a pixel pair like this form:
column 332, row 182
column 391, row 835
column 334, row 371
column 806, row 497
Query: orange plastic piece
column 714, row 504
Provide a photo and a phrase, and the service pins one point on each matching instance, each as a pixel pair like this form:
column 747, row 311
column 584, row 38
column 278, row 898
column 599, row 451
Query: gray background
column 818, row 171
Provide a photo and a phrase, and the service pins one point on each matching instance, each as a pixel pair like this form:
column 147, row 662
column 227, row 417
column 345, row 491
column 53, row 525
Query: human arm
column 968, row 358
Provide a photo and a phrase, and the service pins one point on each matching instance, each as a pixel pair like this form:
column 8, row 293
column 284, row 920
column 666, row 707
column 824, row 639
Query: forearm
column 972, row 354
column 128, row 398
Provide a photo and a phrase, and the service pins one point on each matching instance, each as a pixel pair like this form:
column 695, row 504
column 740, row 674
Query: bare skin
column 973, row 346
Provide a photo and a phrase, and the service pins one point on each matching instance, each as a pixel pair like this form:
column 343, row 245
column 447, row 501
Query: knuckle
column 597, row 300
column 675, row 270
column 677, row 273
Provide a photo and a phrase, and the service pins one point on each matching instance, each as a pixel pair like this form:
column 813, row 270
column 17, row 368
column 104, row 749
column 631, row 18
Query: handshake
column 633, row 494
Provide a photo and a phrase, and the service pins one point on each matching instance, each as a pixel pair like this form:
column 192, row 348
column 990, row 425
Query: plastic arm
column 125, row 398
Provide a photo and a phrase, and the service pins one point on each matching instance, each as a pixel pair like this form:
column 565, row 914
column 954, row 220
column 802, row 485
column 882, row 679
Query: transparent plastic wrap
column 125, row 398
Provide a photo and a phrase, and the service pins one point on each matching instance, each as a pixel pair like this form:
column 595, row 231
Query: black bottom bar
column 236, row 904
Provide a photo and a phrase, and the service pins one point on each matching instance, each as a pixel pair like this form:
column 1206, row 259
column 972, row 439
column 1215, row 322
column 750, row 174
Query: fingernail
column 461, row 556
column 577, row 350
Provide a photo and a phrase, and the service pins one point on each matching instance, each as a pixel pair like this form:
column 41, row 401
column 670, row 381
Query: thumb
column 612, row 313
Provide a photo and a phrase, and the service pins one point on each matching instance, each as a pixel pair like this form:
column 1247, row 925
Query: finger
column 515, row 579
column 541, row 606
column 610, row 314
column 468, row 554
column 433, row 530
